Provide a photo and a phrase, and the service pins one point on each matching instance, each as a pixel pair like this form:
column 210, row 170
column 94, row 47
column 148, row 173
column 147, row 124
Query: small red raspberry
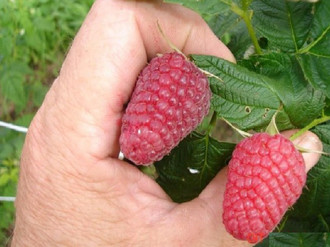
column 171, row 97
column 265, row 177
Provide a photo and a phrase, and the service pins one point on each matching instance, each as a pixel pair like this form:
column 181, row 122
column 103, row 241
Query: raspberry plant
column 283, row 61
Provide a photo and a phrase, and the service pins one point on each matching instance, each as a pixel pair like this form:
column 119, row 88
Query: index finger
column 112, row 46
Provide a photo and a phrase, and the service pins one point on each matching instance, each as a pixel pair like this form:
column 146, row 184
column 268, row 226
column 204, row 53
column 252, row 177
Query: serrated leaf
column 263, row 243
column 38, row 90
column 240, row 42
column 327, row 107
column 285, row 24
column 297, row 239
column 5, row 151
column 206, row 8
column 321, row 21
column 224, row 23
column 316, row 71
column 4, row 178
column 318, row 223
column 239, row 95
column 314, row 58
column 12, row 78
column 321, row 49
column 191, row 166
column 245, row 4
column 25, row 120
column 302, row 104
column 315, row 199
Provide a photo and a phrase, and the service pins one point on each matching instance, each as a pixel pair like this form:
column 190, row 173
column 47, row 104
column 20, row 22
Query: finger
column 112, row 46
column 213, row 193
column 310, row 142
column 183, row 27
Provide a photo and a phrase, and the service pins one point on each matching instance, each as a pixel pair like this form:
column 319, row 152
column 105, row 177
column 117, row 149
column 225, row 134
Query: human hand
column 73, row 191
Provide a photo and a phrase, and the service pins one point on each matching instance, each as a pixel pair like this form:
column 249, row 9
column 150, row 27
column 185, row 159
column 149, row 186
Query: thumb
column 109, row 51
column 308, row 141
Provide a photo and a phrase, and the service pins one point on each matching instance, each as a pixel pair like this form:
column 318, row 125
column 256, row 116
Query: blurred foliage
column 34, row 37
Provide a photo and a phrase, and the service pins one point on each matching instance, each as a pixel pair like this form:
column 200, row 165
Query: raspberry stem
column 272, row 128
column 246, row 14
column 168, row 41
column 320, row 216
column 150, row 171
column 314, row 123
column 241, row 132
column 282, row 224
column 306, row 150
column 210, row 74
column 212, row 123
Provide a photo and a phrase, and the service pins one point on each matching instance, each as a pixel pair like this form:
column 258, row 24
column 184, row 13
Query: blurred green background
column 34, row 37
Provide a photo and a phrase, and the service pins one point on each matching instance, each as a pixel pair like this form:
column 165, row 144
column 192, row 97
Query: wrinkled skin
column 73, row 191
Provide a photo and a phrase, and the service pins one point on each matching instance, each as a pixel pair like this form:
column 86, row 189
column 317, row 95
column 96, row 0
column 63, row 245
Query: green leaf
column 285, row 24
column 206, row 8
column 7, row 210
column 263, row 243
column 38, row 91
column 191, row 166
column 12, row 78
column 12, row 87
column 6, row 43
column 245, row 4
column 4, row 178
column 240, row 42
column 240, row 96
column 223, row 23
column 302, row 104
column 315, row 199
column 318, row 223
column 314, row 58
column 25, row 120
column 327, row 107
column 5, row 150
column 298, row 239
column 231, row 29
column 320, row 31
column 316, row 71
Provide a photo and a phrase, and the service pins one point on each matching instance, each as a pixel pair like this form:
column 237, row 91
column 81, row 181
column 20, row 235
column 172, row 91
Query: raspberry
column 171, row 97
column 265, row 177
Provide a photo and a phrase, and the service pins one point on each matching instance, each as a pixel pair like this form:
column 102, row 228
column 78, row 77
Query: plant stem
column 247, row 16
column 241, row 132
column 320, row 216
column 282, row 224
column 309, row 126
column 251, row 31
column 212, row 123
column 311, row 45
column 150, row 171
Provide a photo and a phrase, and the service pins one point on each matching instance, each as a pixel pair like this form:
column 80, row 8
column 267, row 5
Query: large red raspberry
column 170, row 99
column 265, row 177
